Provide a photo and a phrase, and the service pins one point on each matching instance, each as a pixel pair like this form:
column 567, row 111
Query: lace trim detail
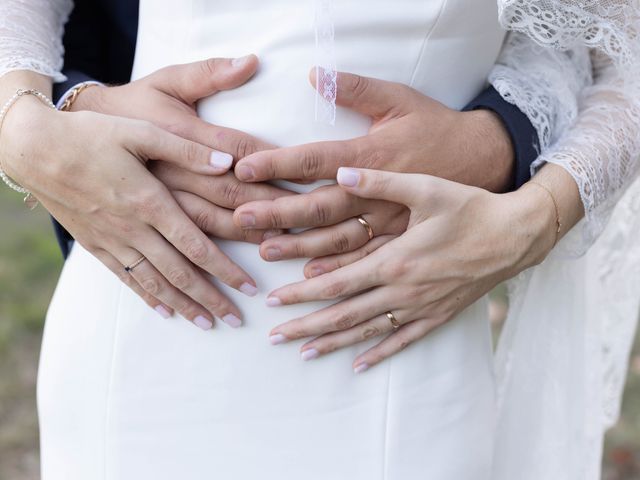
column 326, row 70
column 31, row 36
column 610, row 26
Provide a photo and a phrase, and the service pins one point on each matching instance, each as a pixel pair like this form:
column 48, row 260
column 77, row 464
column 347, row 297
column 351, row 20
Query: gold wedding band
column 367, row 226
column 394, row 321
column 129, row 268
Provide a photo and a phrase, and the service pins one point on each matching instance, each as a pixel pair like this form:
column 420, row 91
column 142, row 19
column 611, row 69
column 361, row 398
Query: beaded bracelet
column 29, row 199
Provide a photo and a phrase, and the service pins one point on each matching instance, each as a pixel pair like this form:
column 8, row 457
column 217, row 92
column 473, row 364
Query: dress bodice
column 442, row 48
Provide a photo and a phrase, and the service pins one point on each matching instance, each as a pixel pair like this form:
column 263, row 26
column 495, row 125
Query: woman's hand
column 89, row 170
column 461, row 242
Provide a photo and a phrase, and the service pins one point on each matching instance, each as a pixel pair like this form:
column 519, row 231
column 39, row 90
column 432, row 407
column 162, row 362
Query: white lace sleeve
column 31, row 36
column 582, row 96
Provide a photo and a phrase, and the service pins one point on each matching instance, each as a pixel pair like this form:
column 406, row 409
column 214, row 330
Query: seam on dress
column 107, row 407
column 426, row 40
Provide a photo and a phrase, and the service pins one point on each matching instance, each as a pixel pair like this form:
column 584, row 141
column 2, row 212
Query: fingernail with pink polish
column 248, row 289
column 361, row 368
column 310, row 354
column 231, row 320
column 220, row 160
column 348, row 177
column 277, row 339
column 273, row 302
column 162, row 311
column 203, row 323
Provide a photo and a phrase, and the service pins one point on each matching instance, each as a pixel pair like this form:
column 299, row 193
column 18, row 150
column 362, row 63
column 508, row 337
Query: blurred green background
column 29, row 266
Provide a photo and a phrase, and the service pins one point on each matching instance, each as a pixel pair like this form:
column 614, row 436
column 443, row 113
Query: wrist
column 534, row 225
column 23, row 133
column 89, row 98
column 494, row 151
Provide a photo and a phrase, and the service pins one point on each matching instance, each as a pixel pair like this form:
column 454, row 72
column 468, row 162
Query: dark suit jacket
column 100, row 40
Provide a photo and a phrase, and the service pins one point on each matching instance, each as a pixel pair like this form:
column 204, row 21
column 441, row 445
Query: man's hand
column 410, row 133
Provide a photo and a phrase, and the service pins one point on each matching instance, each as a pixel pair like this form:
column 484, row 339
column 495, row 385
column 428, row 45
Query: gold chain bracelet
column 555, row 206
column 72, row 96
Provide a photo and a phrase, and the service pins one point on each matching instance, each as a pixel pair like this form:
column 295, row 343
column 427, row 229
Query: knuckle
column 321, row 213
column 151, row 285
column 395, row 269
column 345, row 320
column 310, row 165
column 359, row 86
column 341, row 243
column 190, row 150
column 147, row 205
column 275, row 218
column 244, row 147
column 216, row 305
column 182, row 278
column 327, row 346
column 233, row 192
column 209, row 66
column 203, row 220
column 333, row 289
column 370, row 331
column 195, row 249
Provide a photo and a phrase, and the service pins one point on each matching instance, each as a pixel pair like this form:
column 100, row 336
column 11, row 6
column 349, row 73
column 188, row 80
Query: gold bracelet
column 555, row 205
column 73, row 95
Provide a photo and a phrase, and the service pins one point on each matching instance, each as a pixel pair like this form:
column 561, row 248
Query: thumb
column 192, row 81
column 370, row 96
column 402, row 188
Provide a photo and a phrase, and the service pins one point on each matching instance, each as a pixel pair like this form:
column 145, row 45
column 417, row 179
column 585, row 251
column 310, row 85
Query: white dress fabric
column 561, row 360
column 124, row 394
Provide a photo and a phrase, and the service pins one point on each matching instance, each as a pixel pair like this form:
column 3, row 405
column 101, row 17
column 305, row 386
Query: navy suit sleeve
column 524, row 136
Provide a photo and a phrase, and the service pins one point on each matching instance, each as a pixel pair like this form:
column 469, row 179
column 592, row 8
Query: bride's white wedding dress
column 124, row 394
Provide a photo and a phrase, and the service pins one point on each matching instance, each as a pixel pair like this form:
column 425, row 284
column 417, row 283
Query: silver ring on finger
column 367, row 226
column 129, row 268
column 394, row 321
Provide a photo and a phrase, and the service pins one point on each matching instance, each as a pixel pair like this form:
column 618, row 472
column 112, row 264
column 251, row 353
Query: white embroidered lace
column 31, row 36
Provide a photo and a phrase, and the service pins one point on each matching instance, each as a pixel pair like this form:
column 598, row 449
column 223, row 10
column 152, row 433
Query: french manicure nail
column 277, row 339
column 220, row 160
column 247, row 220
column 361, row 368
column 273, row 302
column 273, row 253
column 244, row 172
column 162, row 311
column 348, row 177
column 309, row 354
column 203, row 323
column 248, row 289
column 231, row 320
column 240, row 62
